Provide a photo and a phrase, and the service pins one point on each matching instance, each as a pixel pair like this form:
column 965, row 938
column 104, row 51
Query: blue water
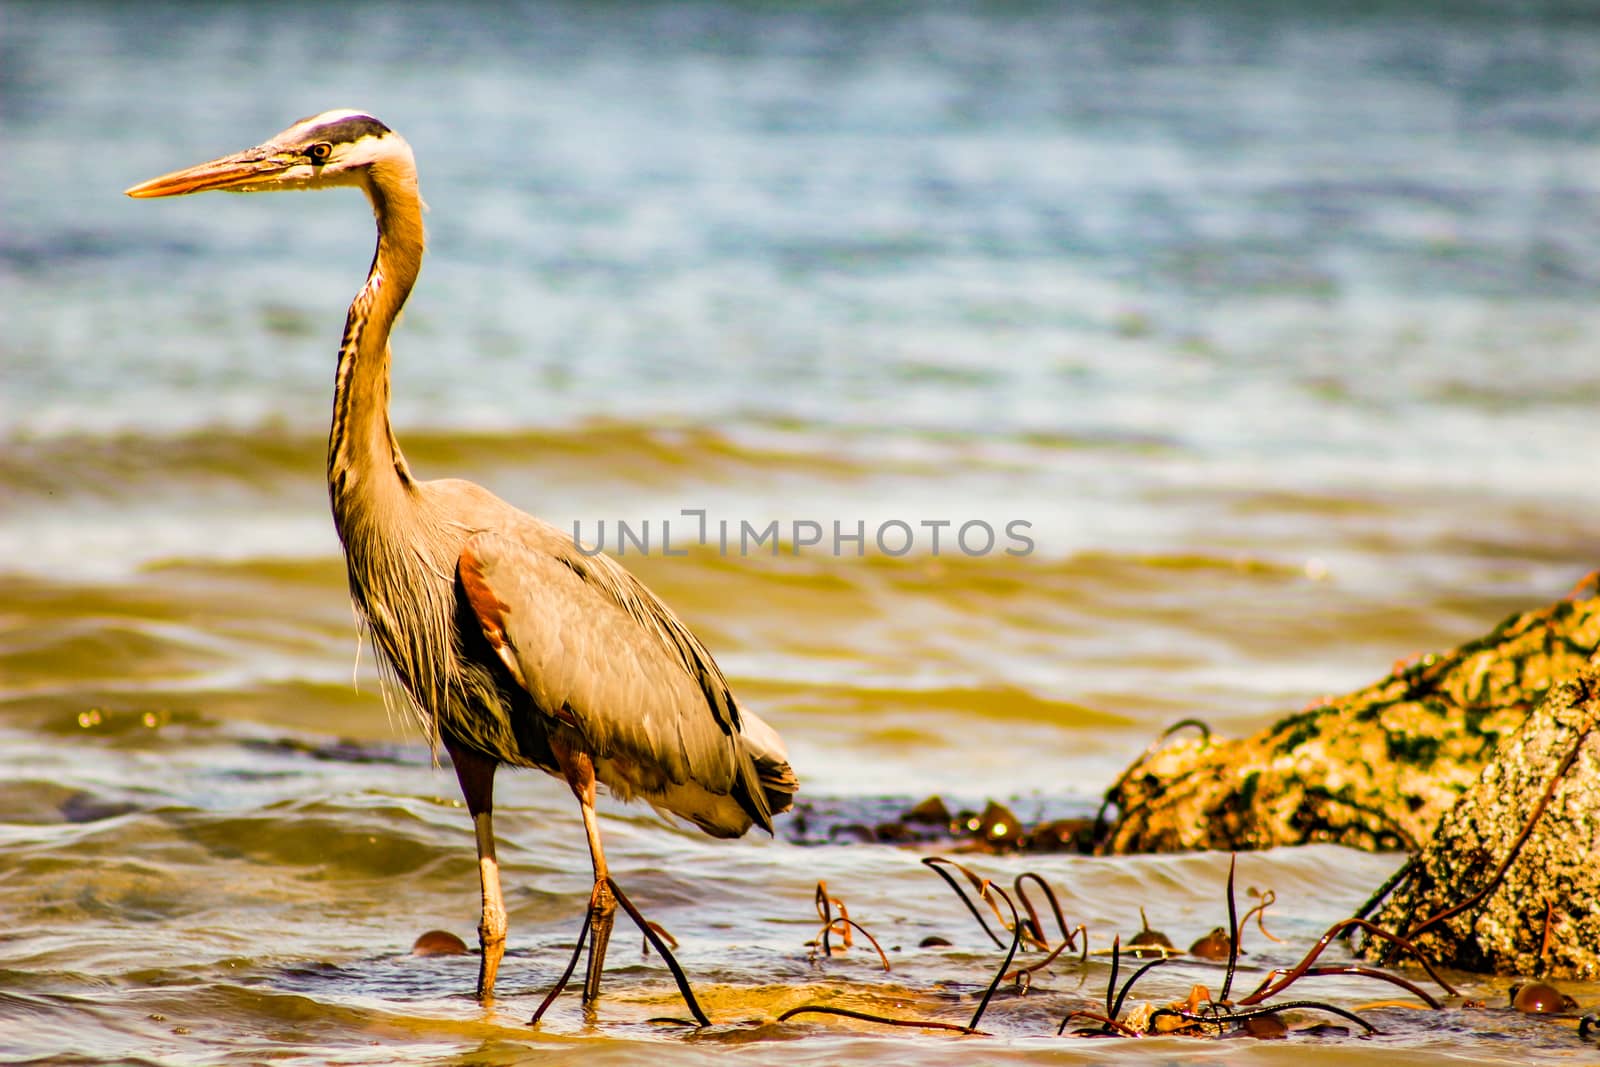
column 1367, row 239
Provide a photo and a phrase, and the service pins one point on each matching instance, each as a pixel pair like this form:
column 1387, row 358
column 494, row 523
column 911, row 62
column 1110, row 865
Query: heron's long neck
column 365, row 468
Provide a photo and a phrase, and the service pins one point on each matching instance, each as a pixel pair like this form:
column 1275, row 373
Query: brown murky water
column 216, row 846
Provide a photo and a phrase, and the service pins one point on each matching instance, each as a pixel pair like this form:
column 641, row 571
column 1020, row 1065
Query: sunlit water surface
column 1274, row 328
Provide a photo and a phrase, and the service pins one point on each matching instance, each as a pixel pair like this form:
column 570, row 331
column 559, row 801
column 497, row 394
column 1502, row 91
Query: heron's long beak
column 241, row 169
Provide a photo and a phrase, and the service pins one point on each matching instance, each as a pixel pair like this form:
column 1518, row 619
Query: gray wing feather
column 593, row 646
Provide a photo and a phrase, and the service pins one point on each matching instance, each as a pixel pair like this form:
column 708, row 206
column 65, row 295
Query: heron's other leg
column 476, row 775
column 579, row 771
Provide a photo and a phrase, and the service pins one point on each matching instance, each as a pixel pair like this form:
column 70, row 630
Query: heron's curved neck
column 365, row 467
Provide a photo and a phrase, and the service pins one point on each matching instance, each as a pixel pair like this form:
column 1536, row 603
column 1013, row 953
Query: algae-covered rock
column 1374, row 770
column 1514, row 866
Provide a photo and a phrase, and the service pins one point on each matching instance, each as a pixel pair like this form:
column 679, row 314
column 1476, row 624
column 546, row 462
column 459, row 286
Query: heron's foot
column 492, row 941
column 602, row 914
column 603, row 902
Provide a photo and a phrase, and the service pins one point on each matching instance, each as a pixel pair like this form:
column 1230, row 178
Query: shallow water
column 1275, row 328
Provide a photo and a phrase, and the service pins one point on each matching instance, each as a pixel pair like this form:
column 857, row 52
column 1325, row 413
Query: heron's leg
column 579, row 771
column 602, row 900
column 476, row 775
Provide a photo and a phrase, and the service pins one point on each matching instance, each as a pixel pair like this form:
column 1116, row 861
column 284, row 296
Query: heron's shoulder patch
column 486, row 605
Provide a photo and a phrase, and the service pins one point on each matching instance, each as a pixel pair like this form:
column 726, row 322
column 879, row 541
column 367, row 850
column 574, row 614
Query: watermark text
column 893, row 537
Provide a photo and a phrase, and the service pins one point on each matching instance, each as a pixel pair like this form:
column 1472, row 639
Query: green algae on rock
column 1510, row 883
column 1374, row 770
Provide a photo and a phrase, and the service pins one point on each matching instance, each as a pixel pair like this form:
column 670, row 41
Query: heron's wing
column 599, row 652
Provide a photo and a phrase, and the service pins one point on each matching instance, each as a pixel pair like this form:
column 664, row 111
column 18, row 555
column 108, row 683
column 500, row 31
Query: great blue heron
column 512, row 645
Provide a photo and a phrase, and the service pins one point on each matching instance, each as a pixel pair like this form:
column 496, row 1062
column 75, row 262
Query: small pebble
column 439, row 943
column 934, row 941
column 931, row 811
column 1147, row 942
column 1540, row 998
column 997, row 824
column 1213, row 946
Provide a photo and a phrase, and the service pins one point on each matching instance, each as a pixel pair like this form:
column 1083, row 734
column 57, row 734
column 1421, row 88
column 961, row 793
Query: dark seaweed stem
column 1372, row 972
column 843, row 924
column 1037, row 927
column 1011, row 953
column 825, row 905
column 678, row 976
column 1188, row 724
column 1259, row 913
column 1219, row 1018
column 937, row 864
column 1382, row 894
column 651, row 937
column 1023, row 973
column 1116, row 1009
column 921, row 1024
column 987, row 891
column 1069, row 934
column 882, row 956
column 1116, row 964
column 1233, row 932
column 1511, row 854
column 1278, row 980
column 1114, row 998
column 566, row 975
column 1031, row 930
column 666, row 935
column 1549, row 927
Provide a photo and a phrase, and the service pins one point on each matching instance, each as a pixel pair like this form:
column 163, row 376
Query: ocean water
column 1271, row 329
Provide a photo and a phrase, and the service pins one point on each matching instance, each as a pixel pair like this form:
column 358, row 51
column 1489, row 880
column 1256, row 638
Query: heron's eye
column 320, row 152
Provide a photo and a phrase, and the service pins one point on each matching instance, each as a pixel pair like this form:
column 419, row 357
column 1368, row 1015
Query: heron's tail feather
column 779, row 783
column 774, row 777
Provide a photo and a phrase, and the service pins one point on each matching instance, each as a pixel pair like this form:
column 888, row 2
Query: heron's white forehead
column 332, row 116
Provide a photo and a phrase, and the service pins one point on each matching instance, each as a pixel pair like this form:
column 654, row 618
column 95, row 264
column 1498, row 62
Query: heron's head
column 333, row 148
